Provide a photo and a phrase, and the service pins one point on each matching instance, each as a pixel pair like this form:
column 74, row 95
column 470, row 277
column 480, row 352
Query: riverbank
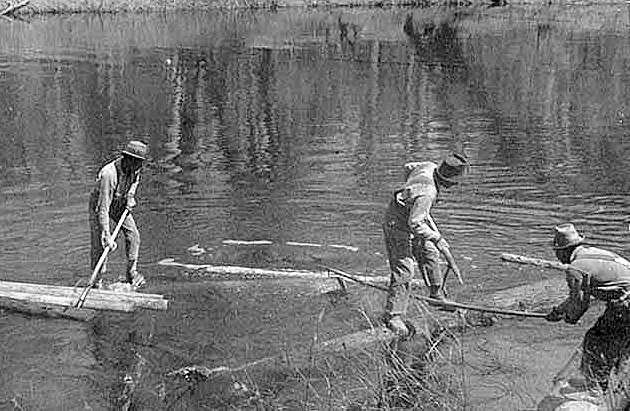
column 143, row 6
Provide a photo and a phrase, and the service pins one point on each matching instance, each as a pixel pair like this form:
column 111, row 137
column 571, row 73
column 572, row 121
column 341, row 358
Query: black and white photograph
column 318, row 205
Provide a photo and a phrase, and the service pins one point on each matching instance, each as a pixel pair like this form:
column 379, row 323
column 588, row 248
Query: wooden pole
column 101, row 260
column 514, row 258
column 447, row 254
column 447, row 304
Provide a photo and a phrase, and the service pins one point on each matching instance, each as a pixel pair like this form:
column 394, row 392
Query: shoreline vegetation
column 34, row 7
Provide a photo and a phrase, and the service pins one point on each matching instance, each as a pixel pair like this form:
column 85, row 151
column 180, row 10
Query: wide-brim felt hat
column 137, row 149
column 566, row 236
column 451, row 167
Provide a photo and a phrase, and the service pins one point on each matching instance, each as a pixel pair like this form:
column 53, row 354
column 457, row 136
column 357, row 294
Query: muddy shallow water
column 275, row 140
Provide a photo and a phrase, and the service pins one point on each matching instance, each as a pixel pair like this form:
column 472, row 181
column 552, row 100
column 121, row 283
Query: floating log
column 67, row 296
column 46, row 310
column 68, row 301
column 140, row 300
column 278, row 273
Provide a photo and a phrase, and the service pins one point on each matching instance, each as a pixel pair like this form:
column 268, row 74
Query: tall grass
column 417, row 373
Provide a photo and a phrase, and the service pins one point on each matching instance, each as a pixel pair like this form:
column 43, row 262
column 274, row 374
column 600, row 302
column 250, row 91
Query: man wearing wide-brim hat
column 410, row 238
column 603, row 275
column 114, row 192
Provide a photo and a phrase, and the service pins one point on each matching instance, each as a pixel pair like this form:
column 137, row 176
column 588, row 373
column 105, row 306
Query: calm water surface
column 292, row 127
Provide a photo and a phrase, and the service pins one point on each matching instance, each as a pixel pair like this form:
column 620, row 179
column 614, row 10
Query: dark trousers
column 129, row 229
column 403, row 254
column 606, row 344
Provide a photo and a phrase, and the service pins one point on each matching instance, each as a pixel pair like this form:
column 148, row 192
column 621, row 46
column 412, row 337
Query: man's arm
column 106, row 187
column 418, row 220
column 578, row 301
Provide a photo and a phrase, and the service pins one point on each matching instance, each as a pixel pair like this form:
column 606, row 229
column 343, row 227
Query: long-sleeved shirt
column 114, row 185
column 594, row 272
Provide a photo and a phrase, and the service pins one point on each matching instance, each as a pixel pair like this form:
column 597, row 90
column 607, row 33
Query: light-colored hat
column 136, row 149
column 566, row 236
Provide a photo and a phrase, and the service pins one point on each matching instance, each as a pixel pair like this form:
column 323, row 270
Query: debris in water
column 196, row 250
column 253, row 242
column 346, row 247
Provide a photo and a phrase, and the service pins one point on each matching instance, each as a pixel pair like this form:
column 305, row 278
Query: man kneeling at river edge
column 605, row 276
column 115, row 191
column 409, row 238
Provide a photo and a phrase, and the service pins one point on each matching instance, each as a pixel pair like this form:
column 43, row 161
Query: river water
column 276, row 139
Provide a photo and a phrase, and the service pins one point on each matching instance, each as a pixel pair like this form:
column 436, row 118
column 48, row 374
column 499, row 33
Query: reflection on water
column 291, row 127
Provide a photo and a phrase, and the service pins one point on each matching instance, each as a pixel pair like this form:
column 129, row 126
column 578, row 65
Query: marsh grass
column 386, row 376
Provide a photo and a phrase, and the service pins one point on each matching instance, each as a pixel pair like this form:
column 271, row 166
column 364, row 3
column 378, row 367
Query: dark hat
column 136, row 149
column 452, row 166
column 566, row 236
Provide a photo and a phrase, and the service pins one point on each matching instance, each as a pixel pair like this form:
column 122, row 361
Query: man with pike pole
column 114, row 193
column 605, row 276
column 411, row 236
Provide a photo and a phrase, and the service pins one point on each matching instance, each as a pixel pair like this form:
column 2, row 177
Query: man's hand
column 107, row 240
column 554, row 315
column 441, row 244
column 131, row 203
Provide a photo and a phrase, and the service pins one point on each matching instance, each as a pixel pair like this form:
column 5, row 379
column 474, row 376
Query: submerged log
column 98, row 299
column 358, row 341
column 427, row 326
column 46, row 310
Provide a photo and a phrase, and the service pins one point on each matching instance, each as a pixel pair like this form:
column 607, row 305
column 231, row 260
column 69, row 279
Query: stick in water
column 100, row 262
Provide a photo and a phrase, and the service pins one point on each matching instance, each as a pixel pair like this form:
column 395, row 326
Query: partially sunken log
column 362, row 340
column 428, row 326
